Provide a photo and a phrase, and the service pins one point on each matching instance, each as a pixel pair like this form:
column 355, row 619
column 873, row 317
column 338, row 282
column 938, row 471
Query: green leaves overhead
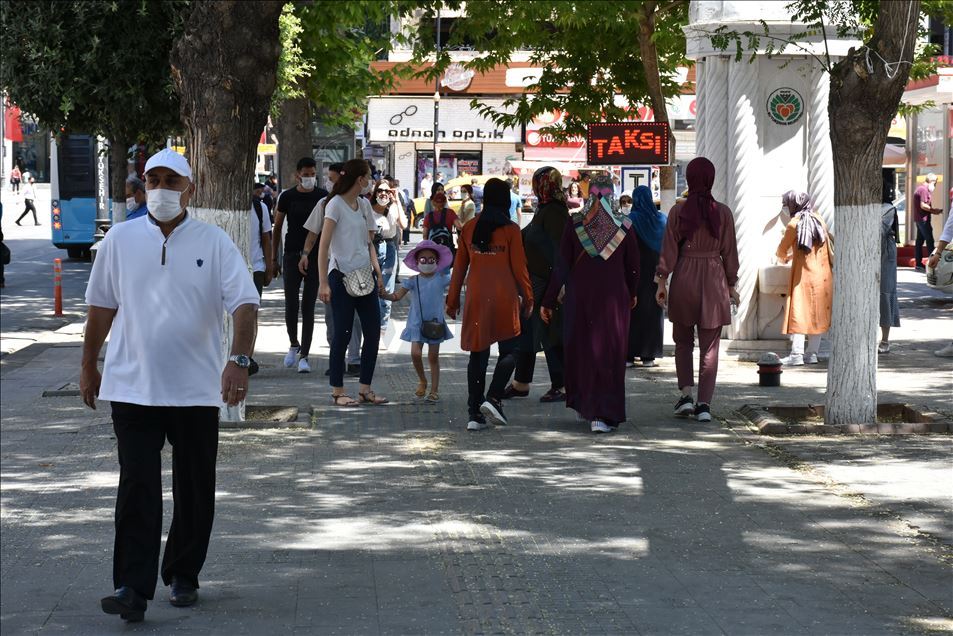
column 97, row 67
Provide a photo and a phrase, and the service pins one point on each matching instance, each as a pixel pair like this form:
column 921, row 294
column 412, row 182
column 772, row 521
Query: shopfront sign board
column 395, row 119
column 635, row 176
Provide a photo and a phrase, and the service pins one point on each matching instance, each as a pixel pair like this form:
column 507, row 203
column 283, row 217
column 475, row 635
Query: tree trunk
column 224, row 68
column 649, row 55
column 118, row 170
column 294, row 138
column 862, row 104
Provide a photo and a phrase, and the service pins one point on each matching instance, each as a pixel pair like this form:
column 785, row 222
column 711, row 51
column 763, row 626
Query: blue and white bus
column 79, row 184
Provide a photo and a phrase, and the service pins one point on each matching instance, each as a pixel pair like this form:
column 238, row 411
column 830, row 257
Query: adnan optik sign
column 630, row 143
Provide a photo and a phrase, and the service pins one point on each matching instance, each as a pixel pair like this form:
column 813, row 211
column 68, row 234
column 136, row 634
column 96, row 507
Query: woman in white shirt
column 347, row 250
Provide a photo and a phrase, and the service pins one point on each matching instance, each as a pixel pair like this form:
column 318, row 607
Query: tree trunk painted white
column 852, row 372
column 236, row 224
column 119, row 211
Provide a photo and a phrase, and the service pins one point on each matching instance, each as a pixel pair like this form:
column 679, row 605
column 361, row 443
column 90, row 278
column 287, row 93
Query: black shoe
column 127, row 603
column 353, row 370
column 327, row 371
column 511, row 392
column 492, row 410
column 252, row 368
column 182, row 593
column 703, row 412
column 685, row 406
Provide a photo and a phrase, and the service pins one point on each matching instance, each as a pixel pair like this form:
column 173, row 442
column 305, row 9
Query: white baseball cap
column 168, row 158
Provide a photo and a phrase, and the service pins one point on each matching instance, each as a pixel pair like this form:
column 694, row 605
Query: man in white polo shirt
column 161, row 283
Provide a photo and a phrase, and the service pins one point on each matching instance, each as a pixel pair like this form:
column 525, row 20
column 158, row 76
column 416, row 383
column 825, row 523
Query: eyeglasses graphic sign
column 410, row 111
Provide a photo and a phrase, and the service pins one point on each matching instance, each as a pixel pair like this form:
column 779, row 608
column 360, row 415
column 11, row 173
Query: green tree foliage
column 93, row 67
column 589, row 51
column 338, row 41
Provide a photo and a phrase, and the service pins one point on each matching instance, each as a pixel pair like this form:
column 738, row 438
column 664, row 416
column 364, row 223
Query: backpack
column 441, row 234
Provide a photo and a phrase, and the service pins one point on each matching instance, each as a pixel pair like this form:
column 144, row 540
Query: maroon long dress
column 596, row 311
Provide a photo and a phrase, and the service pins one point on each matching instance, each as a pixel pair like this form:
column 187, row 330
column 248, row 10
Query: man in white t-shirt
column 160, row 285
column 260, row 242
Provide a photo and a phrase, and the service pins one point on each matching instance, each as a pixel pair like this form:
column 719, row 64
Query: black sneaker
column 702, row 412
column 493, row 411
column 685, row 406
column 477, row 423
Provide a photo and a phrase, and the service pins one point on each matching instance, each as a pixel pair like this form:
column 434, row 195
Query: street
column 395, row 520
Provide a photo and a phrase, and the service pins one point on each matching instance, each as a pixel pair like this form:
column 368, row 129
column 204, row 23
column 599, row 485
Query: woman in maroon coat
column 700, row 252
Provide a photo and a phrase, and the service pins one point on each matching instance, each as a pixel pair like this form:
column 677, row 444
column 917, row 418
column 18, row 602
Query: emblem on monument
column 785, row 106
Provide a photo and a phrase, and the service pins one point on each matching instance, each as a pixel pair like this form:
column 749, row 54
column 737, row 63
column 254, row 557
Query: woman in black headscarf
column 491, row 260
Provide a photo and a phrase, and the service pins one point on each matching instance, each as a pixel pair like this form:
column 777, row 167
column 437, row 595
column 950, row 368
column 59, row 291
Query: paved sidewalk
column 395, row 520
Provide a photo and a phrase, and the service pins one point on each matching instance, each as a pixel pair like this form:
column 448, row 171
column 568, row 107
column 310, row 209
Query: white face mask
column 931, row 186
column 383, row 201
column 164, row 205
column 328, row 184
column 131, row 204
column 427, row 268
column 308, row 183
column 367, row 189
column 625, row 209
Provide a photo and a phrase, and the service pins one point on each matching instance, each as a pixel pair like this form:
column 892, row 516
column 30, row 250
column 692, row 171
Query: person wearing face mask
column 160, row 285
column 922, row 210
column 135, row 198
column 387, row 218
column 349, row 275
column 295, row 205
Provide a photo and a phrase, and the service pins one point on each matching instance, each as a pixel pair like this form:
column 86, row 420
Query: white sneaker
column 291, row 356
column 810, row 358
column 303, row 366
column 598, row 426
column 477, row 423
column 945, row 352
column 793, row 360
column 883, row 347
column 648, row 363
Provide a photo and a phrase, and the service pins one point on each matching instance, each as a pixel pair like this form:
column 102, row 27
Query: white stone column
column 701, row 108
column 820, row 155
column 716, row 118
column 745, row 153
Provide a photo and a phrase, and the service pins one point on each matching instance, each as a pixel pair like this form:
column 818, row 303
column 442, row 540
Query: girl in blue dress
column 425, row 319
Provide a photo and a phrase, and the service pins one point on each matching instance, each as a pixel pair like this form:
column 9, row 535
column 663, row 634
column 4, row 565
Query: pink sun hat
column 444, row 255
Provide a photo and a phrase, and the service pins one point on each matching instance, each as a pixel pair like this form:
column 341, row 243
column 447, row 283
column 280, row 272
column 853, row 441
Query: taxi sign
column 630, row 143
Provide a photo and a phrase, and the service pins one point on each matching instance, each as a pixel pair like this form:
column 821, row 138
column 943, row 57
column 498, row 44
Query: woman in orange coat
column 491, row 260
column 807, row 243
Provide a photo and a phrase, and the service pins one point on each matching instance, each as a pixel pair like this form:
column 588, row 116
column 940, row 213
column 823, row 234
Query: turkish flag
column 11, row 124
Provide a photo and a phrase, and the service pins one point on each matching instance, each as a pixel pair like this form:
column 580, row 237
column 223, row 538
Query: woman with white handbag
column 350, row 278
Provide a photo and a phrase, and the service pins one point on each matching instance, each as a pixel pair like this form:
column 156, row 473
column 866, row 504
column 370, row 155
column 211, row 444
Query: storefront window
column 453, row 164
column 33, row 153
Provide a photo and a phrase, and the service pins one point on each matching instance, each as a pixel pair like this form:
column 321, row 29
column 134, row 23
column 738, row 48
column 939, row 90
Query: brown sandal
column 421, row 389
column 351, row 401
column 432, row 398
column 371, row 398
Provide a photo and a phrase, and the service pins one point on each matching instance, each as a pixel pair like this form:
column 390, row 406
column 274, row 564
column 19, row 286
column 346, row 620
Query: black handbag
column 429, row 329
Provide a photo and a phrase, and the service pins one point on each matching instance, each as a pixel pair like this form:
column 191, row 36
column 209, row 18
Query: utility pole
column 436, row 108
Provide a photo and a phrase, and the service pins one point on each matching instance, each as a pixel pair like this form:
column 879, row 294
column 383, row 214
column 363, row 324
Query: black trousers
column 293, row 279
column 141, row 432
column 924, row 235
column 526, row 365
column 476, row 373
column 27, row 208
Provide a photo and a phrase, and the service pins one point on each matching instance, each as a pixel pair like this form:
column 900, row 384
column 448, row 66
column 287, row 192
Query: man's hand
column 324, row 293
column 303, row 264
column 276, row 266
column 234, row 384
column 269, row 274
column 89, row 381
column 545, row 314
column 934, row 259
column 661, row 295
column 451, row 311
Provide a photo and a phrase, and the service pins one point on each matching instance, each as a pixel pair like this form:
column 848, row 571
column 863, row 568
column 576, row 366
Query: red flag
column 11, row 124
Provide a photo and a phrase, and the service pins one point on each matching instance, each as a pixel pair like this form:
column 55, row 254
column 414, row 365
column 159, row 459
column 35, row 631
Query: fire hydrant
column 769, row 370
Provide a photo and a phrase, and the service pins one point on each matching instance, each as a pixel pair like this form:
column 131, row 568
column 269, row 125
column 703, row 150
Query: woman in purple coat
column 700, row 252
column 598, row 263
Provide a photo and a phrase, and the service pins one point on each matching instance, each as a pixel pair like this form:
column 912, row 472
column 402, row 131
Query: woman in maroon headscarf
column 699, row 249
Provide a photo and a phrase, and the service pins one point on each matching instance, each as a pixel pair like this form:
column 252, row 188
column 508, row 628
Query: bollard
column 769, row 370
column 57, row 287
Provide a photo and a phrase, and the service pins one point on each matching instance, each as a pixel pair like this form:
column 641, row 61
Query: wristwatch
column 242, row 361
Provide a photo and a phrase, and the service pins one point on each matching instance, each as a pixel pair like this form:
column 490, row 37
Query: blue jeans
column 343, row 307
column 924, row 235
column 387, row 257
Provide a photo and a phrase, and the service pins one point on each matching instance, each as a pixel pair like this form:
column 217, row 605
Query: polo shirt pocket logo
column 199, row 262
